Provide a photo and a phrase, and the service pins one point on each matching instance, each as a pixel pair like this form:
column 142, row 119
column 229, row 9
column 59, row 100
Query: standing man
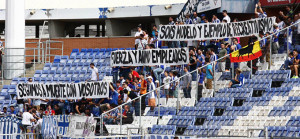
column 196, row 20
column 222, row 53
column 143, row 91
column 259, row 11
column 193, row 64
column 209, row 74
column 152, row 90
column 275, row 44
column 226, row 17
column 27, row 118
column 186, row 83
column 137, row 35
column 215, row 19
column 95, row 74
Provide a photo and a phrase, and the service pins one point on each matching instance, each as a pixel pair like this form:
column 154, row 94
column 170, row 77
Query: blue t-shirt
column 208, row 74
column 201, row 58
column 241, row 78
column 298, row 56
column 201, row 78
column 114, row 95
column 238, row 46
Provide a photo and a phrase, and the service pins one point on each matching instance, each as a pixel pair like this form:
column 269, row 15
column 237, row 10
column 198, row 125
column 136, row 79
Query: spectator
column 275, row 45
column 213, row 57
column 174, row 83
column 154, row 29
column 200, row 58
column 186, row 82
column 188, row 20
column 95, row 74
column 142, row 42
column 152, row 90
column 80, row 106
column 259, row 12
column 166, row 83
column 27, row 119
column 222, row 53
column 1, row 53
column 57, row 110
column 4, row 112
column 193, row 64
column 138, row 35
column 238, row 79
column 290, row 13
column 115, row 72
column 209, row 74
column 157, row 71
column 236, row 45
column 295, row 66
column 297, row 28
column 226, row 17
column 215, row 19
column 196, row 19
column 143, row 91
column 171, row 21
column 13, row 110
column 49, row 111
column 200, row 83
column 127, row 115
column 203, row 18
column 113, row 96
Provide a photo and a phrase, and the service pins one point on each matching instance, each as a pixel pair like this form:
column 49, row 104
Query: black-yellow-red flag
column 247, row 53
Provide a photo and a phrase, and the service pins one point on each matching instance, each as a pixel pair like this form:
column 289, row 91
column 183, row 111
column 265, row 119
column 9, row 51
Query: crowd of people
column 132, row 82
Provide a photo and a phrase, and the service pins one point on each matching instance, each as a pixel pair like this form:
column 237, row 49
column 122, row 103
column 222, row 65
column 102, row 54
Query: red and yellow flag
column 247, row 53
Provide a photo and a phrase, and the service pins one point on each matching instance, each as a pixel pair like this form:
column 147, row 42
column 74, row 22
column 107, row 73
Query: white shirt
column 94, row 74
column 152, row 88
column 38, row 125
column 280, row 26
column 125, row 97
column 298, row 26
column 227, row 18
column 26, row 117
column 142, row 44
column 166, row 82
column 136, row 35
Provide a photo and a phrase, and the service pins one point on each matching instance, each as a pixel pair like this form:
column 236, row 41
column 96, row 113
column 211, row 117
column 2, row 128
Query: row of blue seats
column 215, row 102
column 237, row 111
column 7, row 103
column 275, row 75
column 257, row 84
column 282, row 131
column 182, row 121
column 292, row 101
column 8, row 89
column 220, row 120
column 238, row 93
column 228, row 75
column 163, row 111
column 294, row 121
column 281, row 91
column 90, row 51
column 61, row 73
column 291, row 82
column 203, row 131
column 281, row 111
column 200, row 112
column 79, row 58
column 257, row 101
column 163, row 129
column 75, row 66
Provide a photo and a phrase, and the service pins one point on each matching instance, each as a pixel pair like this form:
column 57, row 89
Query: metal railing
column 178, row 87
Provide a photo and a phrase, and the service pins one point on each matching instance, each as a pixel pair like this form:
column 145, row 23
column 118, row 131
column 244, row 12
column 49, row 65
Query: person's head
column 235, row 20
column 261, row 34
column 4, row 109
column 224, row 21
column 211, row 51
column 142, row 36
column 130, row 75
column 199, row 51
column 195, row 14
column 156, row 33
column 287, row 8
column 176, row 23
column 171, row 19
column 166, row 73
column 275, row 25
column 139, row 27
column 192, row 52
column 30, row 80
column 291, row 55
column 154, row 27
column 235, row 41
column 150, row 79
column 171, row 73
column 224, row 13
column 222, row 45
column 142, row 77
column 214, row 17
column 186, row 68
column 125, row 84
column 118, row 83
column 238, row 71
column 295, row 52
column 49, row 107
column 33, row 111
column 207, row 60
column 203, row 16
column 12, row 108
column 187, row 16
column 126, row 107
column 56, row 107
column 92, row 65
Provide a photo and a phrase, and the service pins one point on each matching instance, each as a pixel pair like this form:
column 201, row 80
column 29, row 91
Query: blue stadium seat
column 89, row 52
column 54, row 66
column 51, row 73
column 15, row 81
column 44, row 73
column 114, row 49
column 38, row 73
column 96, row 51
column 74, row 66
column 64, row 59
column 77, row 59
column 238, row 93
column 47, row 66
column 56, row 80
column 37, row 80
column 74, row 52
column 83, row 51
column 64, row 73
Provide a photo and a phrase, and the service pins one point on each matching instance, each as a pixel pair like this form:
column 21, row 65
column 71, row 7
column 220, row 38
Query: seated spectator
column 49, row 111
column 238, row 79
column 295, row 65
column 127, row 115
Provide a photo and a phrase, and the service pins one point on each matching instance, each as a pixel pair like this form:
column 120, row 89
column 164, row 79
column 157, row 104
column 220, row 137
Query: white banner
column 208, row 31
column 150, row 57
column 63, row 91
column 81, row 126
column 189, row 7
column 205, row 5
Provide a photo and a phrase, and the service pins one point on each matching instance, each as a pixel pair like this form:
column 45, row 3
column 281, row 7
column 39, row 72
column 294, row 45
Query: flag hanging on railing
column 247, row 53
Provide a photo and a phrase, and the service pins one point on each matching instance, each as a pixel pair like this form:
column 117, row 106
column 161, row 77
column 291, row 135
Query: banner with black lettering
column 208, row 31
column 189, row 7
column 150, row 57
column 63, row 90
